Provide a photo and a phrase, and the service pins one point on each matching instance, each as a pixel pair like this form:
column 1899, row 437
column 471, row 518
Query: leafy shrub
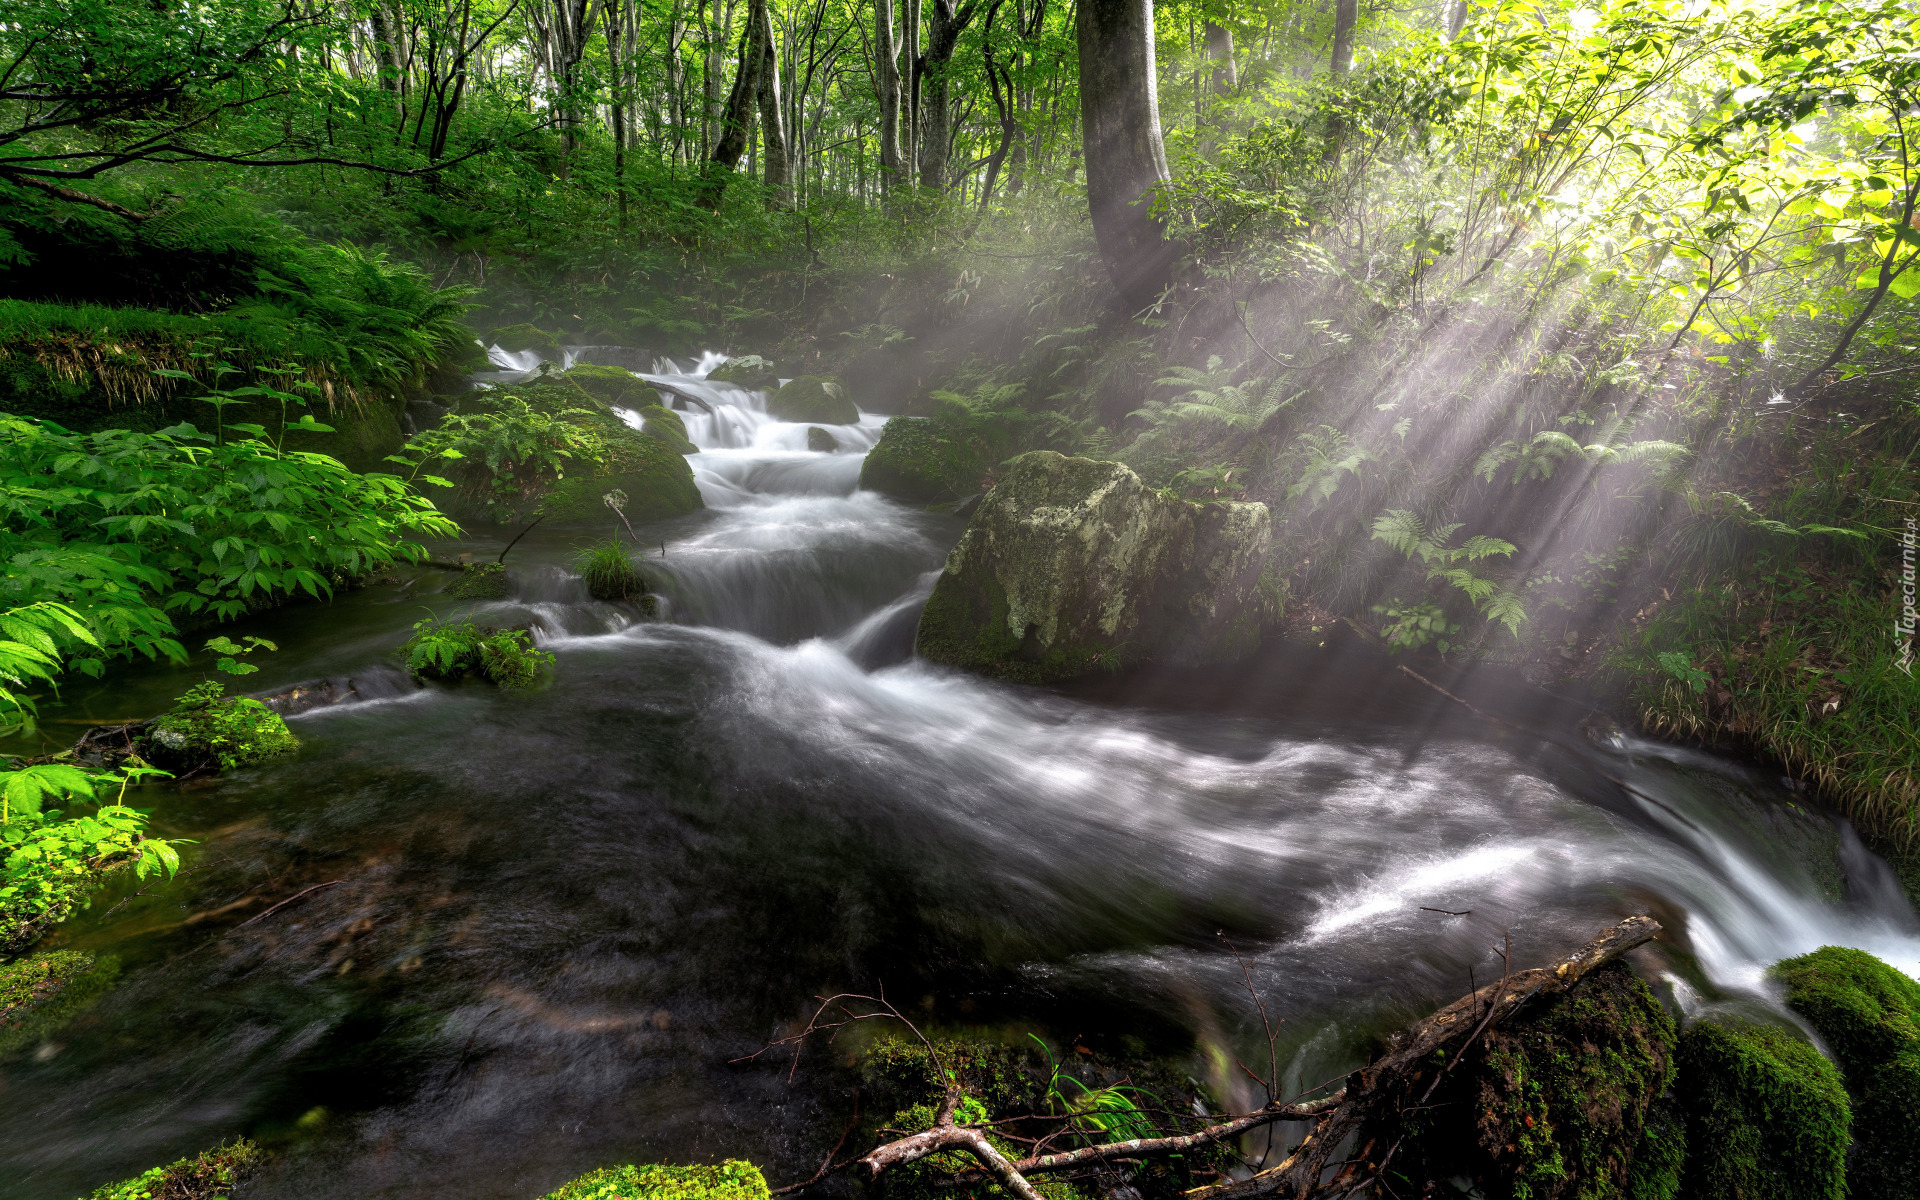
column 54, row 857
column 1869, row 1015
column 730, row 1180
column 1767, row 1115
column 450, row 650
column 208, row 1176
column 203, row 730
column 607, row 567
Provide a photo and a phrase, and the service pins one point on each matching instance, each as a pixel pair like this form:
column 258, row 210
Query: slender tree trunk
column 386, row 55
column 887, row 55
column 1346, row 14
column 1226, row 75
column 1120, row 133
column 616, row 20
column 944, row 27
column 916, row 65
column 773, row 120
column 1457, row 19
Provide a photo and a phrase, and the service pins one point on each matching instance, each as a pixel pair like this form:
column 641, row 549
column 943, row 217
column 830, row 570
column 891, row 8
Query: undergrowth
column 454, row 649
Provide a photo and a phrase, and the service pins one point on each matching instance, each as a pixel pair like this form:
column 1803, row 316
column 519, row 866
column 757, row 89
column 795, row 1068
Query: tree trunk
column 887, row 53
column 944, row 27
column 736, row 116
column 1226, row 75
column 773, row 120
column 1346, row 14
column 1120, row 132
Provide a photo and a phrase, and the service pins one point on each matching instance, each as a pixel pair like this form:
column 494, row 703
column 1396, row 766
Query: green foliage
column 609, row 572
column 1413, row 626
column 203, row 730
column 1099, row 1114
column 1868, row 1013
column 730, row 1180
column 207, row 1176
column 1767, row 1115
column 481, row 581
column 1404, row 531
column 41, row 992
column 31, row 640
column 229, row 650
column 53, row 857
column 451, row 650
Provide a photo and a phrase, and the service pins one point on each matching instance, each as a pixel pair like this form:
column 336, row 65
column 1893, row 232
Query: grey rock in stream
column 1071, row 565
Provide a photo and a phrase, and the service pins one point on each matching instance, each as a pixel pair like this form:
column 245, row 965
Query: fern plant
column 1403, row 530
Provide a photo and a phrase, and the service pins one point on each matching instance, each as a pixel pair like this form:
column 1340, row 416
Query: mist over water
column 559, row 915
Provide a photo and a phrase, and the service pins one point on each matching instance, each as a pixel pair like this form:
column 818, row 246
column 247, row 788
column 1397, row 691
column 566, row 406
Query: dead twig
column 289, row 900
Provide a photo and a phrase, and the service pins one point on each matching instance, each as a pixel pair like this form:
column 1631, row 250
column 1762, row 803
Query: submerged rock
column 821, row 441
column 815, row 399
column 730, row 1180
column 661, row 422
column 747, row 370
column 1071, row 564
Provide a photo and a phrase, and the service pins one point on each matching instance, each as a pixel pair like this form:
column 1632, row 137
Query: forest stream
column 542, row 926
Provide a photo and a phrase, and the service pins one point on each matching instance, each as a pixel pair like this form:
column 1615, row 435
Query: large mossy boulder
column 655, row 478
column 525, row 336
column 813, row 400
column 1553, row 1105
column 1767, row 1115
column 613, row 385
column 1069, row 565
column 928, row 460
column 730, row 1180
column 747, row 371
column 1869, row 1015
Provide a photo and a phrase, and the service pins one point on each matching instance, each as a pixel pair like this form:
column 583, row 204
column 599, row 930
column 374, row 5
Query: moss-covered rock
column 613, row 385
column 1767, row 1115
column 41, row 992
column 525, row 336
column 1551, row 1106
column 655, row 478
column 814, row 399
column 660, row 422
column 746, row 370
column 1869, row 1015
column 481, row 581
column 925, row 460
column 820, row 441
column 1660, row 1161
column 208, row 1176
column 730, row 1180
column 208, row 730
column 1070, row 564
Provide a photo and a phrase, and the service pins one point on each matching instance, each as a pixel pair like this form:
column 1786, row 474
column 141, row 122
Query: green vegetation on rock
column 746, row 370
column 481, row 581
column 656, row 479
column 1868, row 1013
column 609, row 571
column 730, row 1180
column 812, row 399
column 1767, row 1115
column 665, row 426
column 525, row 336
column 452, row 650
column 208, row 1176
column 613, row 385
column 820, row 441
column 1552, row 1105
column 1070, row 564
column 41, row 992
column 203, row 730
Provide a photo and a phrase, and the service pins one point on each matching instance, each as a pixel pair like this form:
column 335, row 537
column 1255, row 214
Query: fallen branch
column 1369, row 1088
column 289, row 900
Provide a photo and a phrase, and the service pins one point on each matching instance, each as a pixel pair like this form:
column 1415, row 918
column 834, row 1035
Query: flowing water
column 551, row 920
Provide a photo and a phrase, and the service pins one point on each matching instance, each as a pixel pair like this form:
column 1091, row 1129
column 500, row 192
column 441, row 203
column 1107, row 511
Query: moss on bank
column 481, row 581
column 1767, row 1115
column 730, row 1180
column 208, row 1176
column 41, row 992
column 1869, row 1016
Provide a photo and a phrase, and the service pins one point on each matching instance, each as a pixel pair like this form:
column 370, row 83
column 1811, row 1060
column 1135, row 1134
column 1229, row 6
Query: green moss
column 1551, row 1106
column 1661, row 1158
column 665, row 426
column 525, row 336
column 203, row 730
column 613, row 385
column 208, row 1176
column 730, row 1180
column 657, row 481
column 820, row 441
column 481, row 581
column 747, row 370
column 898, row 1074
column 813, row 399
column 923, row 460
column 1767, row 1115
column 41, row 992
column 1869, row 1015
column 964, row 624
